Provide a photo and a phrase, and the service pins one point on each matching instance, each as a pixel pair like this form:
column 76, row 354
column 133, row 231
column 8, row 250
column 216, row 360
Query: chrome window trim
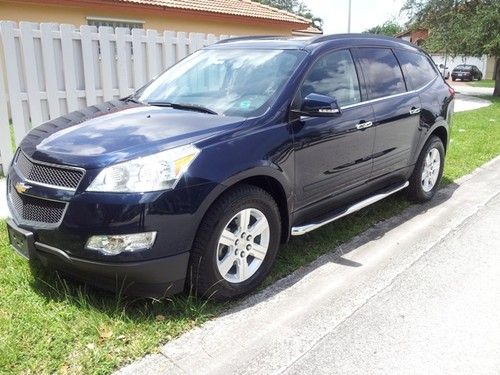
column 49, row 165
column 390, row 96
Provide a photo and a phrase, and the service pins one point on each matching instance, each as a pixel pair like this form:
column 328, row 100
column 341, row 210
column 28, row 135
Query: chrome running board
column 303, row 229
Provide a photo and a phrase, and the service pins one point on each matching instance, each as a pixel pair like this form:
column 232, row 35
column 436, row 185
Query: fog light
column 116, row 244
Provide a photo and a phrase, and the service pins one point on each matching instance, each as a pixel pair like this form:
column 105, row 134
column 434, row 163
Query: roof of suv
column 283, row 42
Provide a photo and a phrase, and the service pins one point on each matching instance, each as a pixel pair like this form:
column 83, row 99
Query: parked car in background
column 196, row 179
column 466, row 73
column 445, row 73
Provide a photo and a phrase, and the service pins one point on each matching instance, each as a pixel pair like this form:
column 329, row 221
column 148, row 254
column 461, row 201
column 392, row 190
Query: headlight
column 156, row 172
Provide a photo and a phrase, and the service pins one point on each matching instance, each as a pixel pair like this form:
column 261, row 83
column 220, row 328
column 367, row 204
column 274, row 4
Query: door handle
column 364, row 125
column 414, row 110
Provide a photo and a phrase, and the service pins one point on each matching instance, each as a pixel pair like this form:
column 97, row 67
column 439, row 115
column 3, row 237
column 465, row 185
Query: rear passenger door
column 396, row 112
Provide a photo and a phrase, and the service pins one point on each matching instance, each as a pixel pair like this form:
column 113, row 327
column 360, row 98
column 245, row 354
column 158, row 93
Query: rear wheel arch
column 442, row 133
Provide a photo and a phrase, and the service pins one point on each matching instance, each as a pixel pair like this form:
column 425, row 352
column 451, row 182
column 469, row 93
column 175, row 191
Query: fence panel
column 48, row 70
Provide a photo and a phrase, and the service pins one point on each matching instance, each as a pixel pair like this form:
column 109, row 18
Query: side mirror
column 317, row 105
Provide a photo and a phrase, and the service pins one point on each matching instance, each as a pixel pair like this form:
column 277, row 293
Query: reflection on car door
column 396, row 111
column 332, row 154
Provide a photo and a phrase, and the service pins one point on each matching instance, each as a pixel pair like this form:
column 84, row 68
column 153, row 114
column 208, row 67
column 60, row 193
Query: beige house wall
column 158, row 19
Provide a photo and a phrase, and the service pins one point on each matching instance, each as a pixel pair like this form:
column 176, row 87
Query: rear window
column 417, row 69
column 382, row 71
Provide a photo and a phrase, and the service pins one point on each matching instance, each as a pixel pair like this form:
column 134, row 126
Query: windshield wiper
column 132, row 99
column 187, row 107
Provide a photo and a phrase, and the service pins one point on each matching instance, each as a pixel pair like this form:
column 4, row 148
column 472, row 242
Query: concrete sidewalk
column 418, row 293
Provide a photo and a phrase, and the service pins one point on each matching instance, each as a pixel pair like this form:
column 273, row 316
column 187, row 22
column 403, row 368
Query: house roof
column 310, row 30
column 245, row 8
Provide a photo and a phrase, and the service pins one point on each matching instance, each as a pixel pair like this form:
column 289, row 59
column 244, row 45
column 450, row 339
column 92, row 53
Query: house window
column 115, row 22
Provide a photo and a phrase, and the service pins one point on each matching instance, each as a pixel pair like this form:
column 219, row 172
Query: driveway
column 465, row 89
column 419, row 293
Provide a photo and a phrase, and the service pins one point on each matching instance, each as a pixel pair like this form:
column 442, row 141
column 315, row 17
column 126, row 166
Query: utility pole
column 349, row 18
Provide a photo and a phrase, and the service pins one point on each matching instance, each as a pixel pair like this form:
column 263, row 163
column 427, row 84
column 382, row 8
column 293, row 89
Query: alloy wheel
column 243, row 245
column 431, row 169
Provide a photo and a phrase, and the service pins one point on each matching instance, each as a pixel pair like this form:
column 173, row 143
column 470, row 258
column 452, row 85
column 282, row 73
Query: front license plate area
column 21, row 240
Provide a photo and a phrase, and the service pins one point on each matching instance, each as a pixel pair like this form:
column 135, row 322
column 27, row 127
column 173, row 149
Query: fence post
column 139, row 79
column 168, row 48
column 6, row 151
column 49, row 67
column 121, row 61
column 69, row 67
column 152, row 55
column 88, row 64
column 12, row 65
column 32, row 83
column 106, row 71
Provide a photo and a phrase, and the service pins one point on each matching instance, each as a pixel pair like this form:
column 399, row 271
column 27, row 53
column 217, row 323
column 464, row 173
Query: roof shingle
column 245, row 8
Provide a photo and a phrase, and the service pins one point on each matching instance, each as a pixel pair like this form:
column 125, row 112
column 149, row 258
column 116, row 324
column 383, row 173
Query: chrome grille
column 36, row 210
column 58, row 176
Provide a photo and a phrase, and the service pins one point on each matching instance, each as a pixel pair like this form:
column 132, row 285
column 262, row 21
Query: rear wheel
column 424, row 181
column 236, row 244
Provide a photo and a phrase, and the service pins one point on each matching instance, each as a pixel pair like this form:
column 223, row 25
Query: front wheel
column 428, row 171
column 236, row 244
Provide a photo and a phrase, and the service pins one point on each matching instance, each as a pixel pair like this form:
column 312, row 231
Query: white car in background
column 445, row 72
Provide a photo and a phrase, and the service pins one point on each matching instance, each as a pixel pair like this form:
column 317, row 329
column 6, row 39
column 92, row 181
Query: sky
column 365, row 13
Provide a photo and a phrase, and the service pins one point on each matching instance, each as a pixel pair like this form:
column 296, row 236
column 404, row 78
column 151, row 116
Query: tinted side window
column 382, row 71
column 334, row 74
column 417, row 68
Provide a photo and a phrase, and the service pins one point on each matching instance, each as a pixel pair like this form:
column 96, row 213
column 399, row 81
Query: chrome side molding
column 303, row 229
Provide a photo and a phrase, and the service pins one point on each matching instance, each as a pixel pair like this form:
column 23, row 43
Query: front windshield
column 231, row 82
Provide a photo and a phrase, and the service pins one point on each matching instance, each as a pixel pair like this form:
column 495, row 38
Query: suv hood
column 114, row 131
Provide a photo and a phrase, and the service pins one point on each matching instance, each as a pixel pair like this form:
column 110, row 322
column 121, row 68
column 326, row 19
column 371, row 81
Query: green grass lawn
column 48, row 325
column 483, row 83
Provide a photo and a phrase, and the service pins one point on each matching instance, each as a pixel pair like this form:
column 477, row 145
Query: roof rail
column 237, row 38
column 324, row 38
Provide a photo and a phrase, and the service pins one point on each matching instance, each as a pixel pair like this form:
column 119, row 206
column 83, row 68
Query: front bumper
column 158, row 277
column 174, row 215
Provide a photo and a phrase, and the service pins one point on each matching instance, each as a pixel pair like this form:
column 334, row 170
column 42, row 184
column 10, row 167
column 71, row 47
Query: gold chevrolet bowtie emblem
column 21, row 187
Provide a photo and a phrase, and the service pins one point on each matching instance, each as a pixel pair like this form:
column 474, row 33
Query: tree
column 389, row 28
column 297, row 7
column 459, row 27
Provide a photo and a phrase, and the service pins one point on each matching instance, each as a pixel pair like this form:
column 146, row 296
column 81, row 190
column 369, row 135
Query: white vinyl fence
column 48, row 70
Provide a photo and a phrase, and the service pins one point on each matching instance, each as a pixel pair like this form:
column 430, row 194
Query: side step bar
column 303, row 229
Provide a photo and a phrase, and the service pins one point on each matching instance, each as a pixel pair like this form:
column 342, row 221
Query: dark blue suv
column 197, row 178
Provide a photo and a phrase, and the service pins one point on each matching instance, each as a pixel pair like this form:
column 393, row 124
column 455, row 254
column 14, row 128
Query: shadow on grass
column 299, row 252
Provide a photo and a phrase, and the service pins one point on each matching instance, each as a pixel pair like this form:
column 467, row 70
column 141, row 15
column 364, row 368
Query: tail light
column 452, row 91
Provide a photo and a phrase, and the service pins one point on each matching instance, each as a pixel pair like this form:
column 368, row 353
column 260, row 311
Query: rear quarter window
column 417, row 69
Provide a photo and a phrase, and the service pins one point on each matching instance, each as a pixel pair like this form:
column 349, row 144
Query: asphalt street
column 418, row 293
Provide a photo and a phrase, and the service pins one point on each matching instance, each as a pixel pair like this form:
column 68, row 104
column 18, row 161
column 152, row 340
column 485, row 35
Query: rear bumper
column 158, row 277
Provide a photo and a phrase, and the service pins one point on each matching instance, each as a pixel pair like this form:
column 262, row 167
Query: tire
column 453, row 79
column 421, row 189
column 209, row 255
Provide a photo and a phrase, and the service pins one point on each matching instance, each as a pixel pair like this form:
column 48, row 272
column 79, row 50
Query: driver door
column 332, row 154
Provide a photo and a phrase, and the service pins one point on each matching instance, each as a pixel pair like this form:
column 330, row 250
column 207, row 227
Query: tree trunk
column 497, row 79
